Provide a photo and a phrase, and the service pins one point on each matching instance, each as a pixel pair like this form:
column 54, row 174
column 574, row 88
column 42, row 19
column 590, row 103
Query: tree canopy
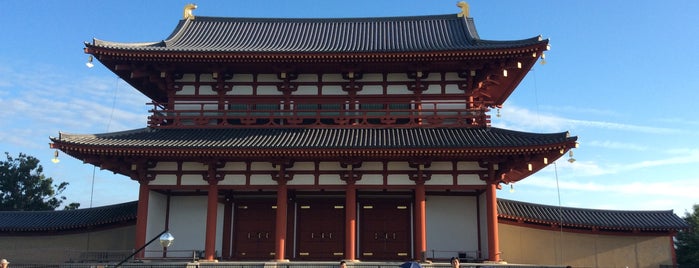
column 688, row 240
column 23, row 186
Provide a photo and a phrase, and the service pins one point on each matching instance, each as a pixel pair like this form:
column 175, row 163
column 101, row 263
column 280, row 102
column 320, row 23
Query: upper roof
column 67, row 220
column 323, row 35
column 236, row 141
column 76, row 220
column 590, row 218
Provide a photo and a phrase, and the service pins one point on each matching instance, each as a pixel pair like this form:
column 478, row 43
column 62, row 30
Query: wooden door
column 254, row 225
column 384, row 230
column 320, row 230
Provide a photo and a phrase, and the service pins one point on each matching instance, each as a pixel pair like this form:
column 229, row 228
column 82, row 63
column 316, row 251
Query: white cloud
column 524, row 119
column 616, row 145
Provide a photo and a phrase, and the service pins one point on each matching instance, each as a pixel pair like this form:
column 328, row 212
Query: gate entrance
column 254, row 225
column 384, row 230
column 320, row 229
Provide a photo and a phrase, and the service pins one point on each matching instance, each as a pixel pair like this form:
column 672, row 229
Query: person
column 454, row 262
column 343, row 264
column 4, row 263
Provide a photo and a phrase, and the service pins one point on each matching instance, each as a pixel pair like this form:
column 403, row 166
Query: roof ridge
column 326, row 19
column 585, row 209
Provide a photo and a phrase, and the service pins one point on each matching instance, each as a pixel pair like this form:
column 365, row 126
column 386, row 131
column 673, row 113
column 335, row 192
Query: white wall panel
column 233, row 179
column 469, row 179
column 238, row 166
column 371, row 179
column 330, row 179
column 188, row 222
column 157, row 206
column 261, row 179
column 165, row 166
column 302, row 179
column 190, row 166
column 164, row 179
column 440, row 179
column 452, row 225
column 399, row 179
column 193, row 179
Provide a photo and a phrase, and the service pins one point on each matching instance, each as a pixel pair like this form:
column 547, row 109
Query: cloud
column 524, row 119
column 66, row 102
column 616, row 145
column 678, row 194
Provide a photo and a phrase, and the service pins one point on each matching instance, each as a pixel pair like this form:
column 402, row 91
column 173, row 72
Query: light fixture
column 89, row 62
column 529, row 167
column 512, row 187
column 166, row 239
column 504, row 72
column 546, row 160
column 571, row 159
column 498, row 114
column 519, row 65
column 543, row 58
column 55, row 159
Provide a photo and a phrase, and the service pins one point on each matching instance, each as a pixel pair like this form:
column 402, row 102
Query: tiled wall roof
column 589, row 218
column 67, row 220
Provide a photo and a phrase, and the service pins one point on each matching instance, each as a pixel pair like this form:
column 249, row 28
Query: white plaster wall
column 451, row 225
column 157, row 204
column 188, row 223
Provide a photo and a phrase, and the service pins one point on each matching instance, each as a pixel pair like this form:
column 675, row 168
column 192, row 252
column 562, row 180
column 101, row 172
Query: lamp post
column 166, row 240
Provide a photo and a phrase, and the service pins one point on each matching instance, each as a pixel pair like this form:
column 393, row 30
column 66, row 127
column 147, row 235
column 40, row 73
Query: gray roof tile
column 323, row 35
column 317, row 138
column 67, row 220
column 589, row 218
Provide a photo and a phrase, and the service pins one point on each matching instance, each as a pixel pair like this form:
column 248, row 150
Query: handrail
column 244, row 115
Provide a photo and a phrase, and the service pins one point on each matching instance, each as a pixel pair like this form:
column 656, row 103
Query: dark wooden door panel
column 254, row 230
column 385, row 230
column 320, row 229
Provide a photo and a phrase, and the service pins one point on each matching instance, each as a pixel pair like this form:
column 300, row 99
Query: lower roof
column 486, row 140
column 118, row 214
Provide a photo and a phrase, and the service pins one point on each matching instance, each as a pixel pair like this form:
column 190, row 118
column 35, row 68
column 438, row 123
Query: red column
column 492, row 219
column 420, row 232
column 280, row 238
column 211, row 211
column 350, row 222
column 227, row 216
column 142, row 216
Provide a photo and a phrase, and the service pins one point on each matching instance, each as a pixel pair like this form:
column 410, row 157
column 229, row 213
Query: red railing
column 250, row 115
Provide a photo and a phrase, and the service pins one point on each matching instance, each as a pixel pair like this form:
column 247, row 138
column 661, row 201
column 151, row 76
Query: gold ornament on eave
column 188, row 14
column 464, row 9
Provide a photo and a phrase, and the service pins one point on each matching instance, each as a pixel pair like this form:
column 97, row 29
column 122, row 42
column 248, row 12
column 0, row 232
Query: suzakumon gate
column 321, row 139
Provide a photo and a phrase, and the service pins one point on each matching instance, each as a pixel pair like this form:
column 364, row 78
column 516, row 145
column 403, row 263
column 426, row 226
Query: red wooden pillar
column 492, row 219
column 280, row 238
column 211, row 211
column 420, row 223
column 142, row 216
column 350, row 222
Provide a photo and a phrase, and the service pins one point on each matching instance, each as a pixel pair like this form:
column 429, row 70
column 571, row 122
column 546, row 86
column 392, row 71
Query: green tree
column 687, row 241
column 23, row 186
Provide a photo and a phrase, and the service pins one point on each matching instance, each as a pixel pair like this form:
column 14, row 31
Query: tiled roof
column 319, row 138
column 591, row 218
column 75, row 220
column 323, row 35
column 67, row 220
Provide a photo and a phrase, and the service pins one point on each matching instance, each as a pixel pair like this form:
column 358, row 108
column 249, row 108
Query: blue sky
column 621, row 75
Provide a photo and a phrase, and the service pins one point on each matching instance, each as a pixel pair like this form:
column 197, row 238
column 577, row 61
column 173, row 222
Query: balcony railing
column 251, row 115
